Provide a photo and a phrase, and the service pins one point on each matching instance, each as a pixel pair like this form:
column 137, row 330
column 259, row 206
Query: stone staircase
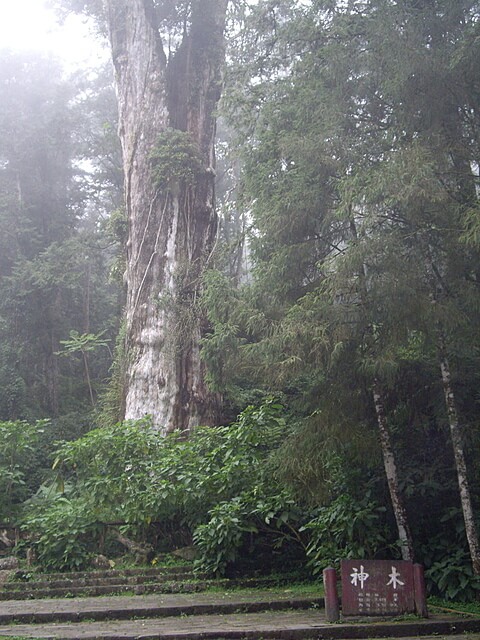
column 175, row 579
column 171, row 603
column 102, row 582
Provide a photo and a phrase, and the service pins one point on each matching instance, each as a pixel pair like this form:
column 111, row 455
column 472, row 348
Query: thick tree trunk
column 172, row 226
column 460, row 463
column 404, row 534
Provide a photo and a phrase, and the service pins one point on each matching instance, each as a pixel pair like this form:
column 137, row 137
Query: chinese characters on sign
column 376, row 587
column 359, row 577
column 394, row 578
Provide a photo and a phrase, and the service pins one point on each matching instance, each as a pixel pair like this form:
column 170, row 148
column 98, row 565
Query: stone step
column 97, row 581
column 122, row 608
column 151, row 581
column 279, row 625
column 172, row 587
column 182, row 586
column 108, row 573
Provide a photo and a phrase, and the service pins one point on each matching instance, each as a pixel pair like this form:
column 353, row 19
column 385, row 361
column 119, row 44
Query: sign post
column 332, row 608
column 420, row 591
column 382, row 587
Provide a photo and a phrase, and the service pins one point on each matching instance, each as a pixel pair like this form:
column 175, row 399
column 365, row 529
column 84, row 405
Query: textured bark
column 460, row 463
column 171, row 230
column 399, row 511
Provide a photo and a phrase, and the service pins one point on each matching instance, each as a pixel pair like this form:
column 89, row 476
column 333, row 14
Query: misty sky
column 30, row 25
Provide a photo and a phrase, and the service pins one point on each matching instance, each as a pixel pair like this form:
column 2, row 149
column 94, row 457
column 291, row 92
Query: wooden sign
column 377, row 587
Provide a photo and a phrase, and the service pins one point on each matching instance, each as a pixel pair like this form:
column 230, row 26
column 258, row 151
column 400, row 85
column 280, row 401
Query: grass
column 294, row 589
column 472, row 608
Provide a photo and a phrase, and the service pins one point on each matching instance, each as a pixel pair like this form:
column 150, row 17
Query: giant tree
column 168, row 59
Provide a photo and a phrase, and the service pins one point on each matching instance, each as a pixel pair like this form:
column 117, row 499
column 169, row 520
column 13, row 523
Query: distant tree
column 53, row 269
column 39, row 211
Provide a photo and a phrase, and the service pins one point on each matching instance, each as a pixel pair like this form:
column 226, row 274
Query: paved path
column 280, row 625
column 240, row 625
column 272, row 614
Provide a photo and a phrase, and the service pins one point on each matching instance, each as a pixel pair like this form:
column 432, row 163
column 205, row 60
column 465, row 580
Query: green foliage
column 452, row 577
column 240, row 526
column 220, row 539
column 110, row 468
column 131, row 472
column 175, row 159
column 113, row 398
column 66, row 531
column 117, row 226
column 17, row 460
column 222, row 488
column 359, row 174
column 346, row 528
column 448, row 568
column 218, row 486
column 82, row 343
column 13, row 401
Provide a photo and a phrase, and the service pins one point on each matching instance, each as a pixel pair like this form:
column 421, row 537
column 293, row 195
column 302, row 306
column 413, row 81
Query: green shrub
column 65, row 533
column 448, row 566
column 218, row 483
column 346, row 528
column 452, row 577
column 220, row 538
column 220, row 488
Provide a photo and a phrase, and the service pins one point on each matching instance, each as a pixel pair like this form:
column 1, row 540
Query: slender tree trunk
column 388, row 454
column 460, row 463
column 439, row 291
column 87, row 377
column 404, row 534
column 52, row 309
column 171, row 230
